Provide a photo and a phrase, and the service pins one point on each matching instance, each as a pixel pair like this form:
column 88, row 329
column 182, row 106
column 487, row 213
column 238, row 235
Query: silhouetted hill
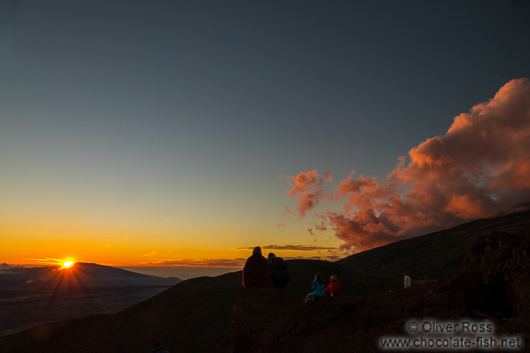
column 31, row 296
column 430, row 256
column 218, row 315
column 81, row 274
column 186, row 317
column 492, row 288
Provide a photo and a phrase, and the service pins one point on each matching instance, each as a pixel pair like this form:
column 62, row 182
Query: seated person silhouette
column 256, row 272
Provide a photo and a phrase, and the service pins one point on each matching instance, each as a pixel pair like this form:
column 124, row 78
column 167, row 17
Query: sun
column 68, row 264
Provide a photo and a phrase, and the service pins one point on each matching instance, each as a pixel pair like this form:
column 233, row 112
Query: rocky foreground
column 493, row 286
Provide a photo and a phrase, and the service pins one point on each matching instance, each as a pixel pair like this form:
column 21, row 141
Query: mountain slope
column 186, row 317
column 32, row 296
column 430, row 256
column 493, row 287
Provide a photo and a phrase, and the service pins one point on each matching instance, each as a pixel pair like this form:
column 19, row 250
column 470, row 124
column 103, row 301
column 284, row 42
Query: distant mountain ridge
column 108, row 273
column 81, row 273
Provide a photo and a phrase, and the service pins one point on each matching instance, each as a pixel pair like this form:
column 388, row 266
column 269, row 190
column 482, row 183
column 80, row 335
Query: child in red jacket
column 333, row 289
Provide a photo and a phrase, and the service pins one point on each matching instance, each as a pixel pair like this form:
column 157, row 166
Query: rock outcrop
column 267, row 320
column 262, row 317
column 493, row 284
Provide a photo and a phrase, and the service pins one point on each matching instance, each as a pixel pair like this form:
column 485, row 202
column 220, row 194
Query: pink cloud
column 309, row 188
column 479, row 168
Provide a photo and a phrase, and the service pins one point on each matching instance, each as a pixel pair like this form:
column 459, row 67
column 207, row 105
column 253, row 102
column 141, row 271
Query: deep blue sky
column 169, row 120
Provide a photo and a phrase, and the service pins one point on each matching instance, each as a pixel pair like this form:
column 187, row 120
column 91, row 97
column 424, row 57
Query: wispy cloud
column 46, row 260
column 331, row 258
column 230, row 263
column 227, row 263
column 334, row 257
column 289, row 247
column 152, row 253
column 287, row 211
column 280, row 226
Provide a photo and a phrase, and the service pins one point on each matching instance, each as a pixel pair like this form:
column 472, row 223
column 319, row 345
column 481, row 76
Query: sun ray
column 54, row 293
column 85, row 288
column 91, row 276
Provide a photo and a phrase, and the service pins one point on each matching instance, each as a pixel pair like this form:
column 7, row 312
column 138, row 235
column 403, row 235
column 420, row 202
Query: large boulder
column 494, row 283
column 262, row 316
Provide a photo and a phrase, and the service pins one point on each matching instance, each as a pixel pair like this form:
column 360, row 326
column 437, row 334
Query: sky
column 164, row 133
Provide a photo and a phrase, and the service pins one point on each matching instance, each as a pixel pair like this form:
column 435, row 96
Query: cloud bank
column 289, row 247
column 47, row 260
column 479, row 168
column 210, row 263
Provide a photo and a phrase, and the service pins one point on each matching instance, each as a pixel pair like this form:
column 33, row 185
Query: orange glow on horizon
column 33, row 246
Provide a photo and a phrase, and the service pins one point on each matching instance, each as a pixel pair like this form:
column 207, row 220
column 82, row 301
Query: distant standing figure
column 334, row 288
column 279, row 274
column 406, row 279
column 157, row 348
column 256, row 272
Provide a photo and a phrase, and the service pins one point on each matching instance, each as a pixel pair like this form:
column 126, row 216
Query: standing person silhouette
column 406, row 281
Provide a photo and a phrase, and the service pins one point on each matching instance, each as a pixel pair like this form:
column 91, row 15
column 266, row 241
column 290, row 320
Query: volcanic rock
column 493, row 284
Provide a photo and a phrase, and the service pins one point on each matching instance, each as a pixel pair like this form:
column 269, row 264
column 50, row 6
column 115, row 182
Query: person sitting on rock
column 333, row 289
column 407, row 282
column 279, row 274
column 317, row 288
column 256, row 272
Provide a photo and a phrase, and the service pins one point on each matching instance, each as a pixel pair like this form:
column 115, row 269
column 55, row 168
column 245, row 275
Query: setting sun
column 68, row 264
